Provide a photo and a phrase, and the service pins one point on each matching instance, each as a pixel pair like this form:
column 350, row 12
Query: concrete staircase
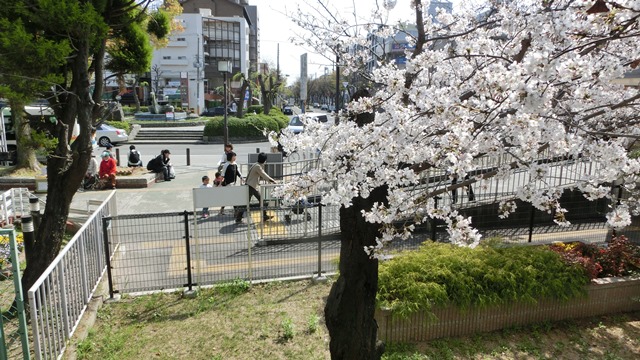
column 173, row 135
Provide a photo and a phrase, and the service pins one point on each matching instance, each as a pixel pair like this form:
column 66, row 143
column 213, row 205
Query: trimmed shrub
column 443, row 274
column 248, row 126
column 124, row 125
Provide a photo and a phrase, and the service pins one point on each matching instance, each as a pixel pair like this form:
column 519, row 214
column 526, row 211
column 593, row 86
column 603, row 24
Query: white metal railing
column 14, row 203
column 60, row 296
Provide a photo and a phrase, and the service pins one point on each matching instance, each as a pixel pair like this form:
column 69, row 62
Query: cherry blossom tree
column 514, row 83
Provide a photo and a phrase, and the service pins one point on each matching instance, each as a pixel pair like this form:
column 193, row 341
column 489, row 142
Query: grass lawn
column 284, row 320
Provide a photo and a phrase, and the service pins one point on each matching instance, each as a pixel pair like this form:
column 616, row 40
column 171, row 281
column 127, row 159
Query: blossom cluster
column 523, row 81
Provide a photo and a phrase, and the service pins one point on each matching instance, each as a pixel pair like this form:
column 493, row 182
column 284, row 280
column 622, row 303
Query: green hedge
column 124, row 125
column 443, row 274
column 251, row 125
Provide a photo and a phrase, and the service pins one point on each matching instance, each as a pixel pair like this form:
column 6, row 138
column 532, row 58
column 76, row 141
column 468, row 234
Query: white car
column 296, row 125
column 107, row 134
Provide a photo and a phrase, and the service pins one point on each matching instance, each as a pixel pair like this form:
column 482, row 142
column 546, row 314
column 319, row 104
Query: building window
column 181, row 39
column 166, row 58
column 182, row 58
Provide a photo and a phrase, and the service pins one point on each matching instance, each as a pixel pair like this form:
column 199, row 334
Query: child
column 205, row 184
column 219, row 179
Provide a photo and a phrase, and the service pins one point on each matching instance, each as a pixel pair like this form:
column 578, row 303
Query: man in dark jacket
column 162, row 164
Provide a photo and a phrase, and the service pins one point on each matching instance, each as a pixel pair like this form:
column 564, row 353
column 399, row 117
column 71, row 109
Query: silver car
column 107, row 134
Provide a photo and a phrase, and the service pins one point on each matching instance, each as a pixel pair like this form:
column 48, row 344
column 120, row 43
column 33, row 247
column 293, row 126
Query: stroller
column 301, row 208
column 90, row 183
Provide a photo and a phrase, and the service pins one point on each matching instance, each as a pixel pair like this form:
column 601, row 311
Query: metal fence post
column 531, row 219
column 19, row 300
column 319, row 240
column 188, row 157
column 188, row 245
column 107, row 255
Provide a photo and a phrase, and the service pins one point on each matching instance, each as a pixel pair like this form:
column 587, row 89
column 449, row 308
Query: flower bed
column 5, row 254
column 604, row 296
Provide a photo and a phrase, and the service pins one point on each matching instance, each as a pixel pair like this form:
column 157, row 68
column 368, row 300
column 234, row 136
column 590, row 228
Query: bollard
column 117, row 157
column 28, row 233
column 257, row 150
column 188, row 157
column 34, row 207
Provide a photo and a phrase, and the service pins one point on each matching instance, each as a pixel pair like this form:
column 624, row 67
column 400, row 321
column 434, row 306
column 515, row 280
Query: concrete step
column 165, row 136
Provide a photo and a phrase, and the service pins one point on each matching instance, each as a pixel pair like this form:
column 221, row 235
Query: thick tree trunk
column 65, row 168
column 350, row 308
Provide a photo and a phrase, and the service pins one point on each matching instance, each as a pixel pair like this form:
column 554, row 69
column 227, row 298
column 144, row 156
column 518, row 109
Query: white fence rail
column 14, row 203
column 60, row 296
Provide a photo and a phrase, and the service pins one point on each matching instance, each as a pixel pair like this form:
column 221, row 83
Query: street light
column 225, row 66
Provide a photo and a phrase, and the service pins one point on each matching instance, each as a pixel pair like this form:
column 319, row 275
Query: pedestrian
column 205, row 184
column 255, row 174
column 161, row 164
column 135, row 158
column 223, row 159
column 108, row 171
column 454, row 193
column 231, row 175
column 109, row 148
column 218, row 180
column 92, row 174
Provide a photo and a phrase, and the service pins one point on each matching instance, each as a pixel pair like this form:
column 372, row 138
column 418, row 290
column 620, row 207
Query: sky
column 276, row 28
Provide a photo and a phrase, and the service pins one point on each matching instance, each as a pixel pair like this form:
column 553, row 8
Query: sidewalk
column 161, row 197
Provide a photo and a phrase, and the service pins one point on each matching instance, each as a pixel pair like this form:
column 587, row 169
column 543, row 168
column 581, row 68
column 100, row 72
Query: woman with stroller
column 256, row 172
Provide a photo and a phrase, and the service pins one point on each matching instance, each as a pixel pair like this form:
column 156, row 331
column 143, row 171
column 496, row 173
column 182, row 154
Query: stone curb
column 123, row 182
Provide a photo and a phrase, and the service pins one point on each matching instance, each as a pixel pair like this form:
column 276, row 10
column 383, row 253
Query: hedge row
column 443, row 274
column 252, row 125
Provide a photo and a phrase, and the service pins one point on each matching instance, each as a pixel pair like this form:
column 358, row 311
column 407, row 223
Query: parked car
column 287, row 110
column 296, row 125
column 107, row 134
column 316, row 105
column 324, row 107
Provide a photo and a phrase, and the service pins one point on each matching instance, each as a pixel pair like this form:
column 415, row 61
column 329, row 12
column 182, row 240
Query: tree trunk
column 350, row 308
column 25, row 152
column 65, row 168
column 245, row 85
column 136, row 100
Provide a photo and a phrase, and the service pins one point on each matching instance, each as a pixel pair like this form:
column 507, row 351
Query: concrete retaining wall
column 605, row 296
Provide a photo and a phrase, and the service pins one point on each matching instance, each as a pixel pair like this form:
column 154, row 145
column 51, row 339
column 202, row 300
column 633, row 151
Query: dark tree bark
column 349, row 312
column 65, row 168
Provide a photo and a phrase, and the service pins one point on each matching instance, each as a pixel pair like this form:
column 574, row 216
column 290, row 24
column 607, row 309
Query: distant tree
column 523, row 81
column 85, row 27
column 26, row 64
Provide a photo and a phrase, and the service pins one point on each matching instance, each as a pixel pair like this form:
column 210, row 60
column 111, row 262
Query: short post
column 34, row 208
column 28, row 233
column 117, row 156
column 188, row 157
column 257, row 150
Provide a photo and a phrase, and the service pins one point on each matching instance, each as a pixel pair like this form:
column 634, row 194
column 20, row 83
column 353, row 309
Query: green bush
column 130, row 110
column 124, row 125
column 443, row 274
column 249, row 126
column 258, row 109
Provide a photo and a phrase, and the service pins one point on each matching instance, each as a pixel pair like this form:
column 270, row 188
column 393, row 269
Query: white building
column 186, row 69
